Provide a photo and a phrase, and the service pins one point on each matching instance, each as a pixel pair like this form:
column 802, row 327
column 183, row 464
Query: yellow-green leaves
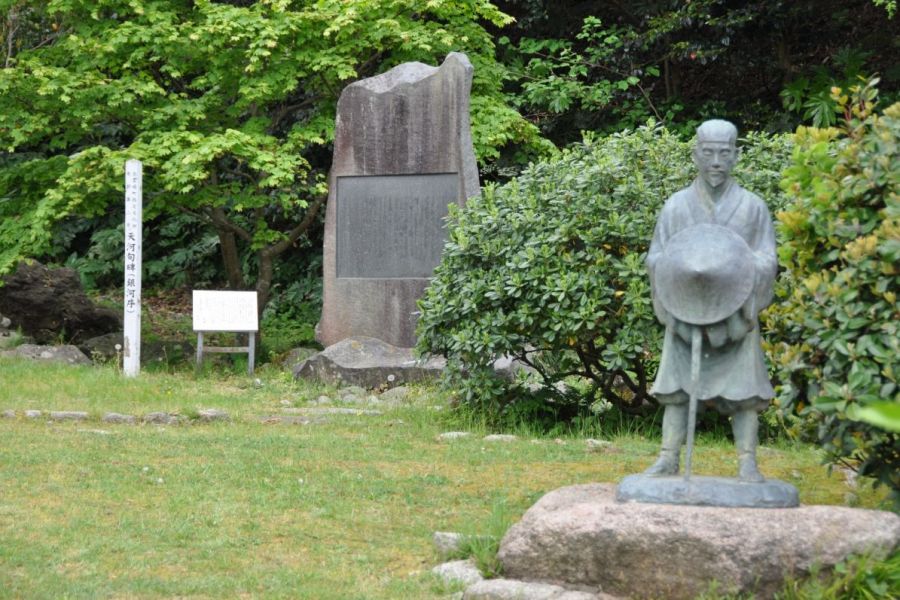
column 838, row 323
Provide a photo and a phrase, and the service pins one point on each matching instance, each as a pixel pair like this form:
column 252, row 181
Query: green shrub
column 864, row 577
column 290, row 318
column 549, row 269
column 839, row 339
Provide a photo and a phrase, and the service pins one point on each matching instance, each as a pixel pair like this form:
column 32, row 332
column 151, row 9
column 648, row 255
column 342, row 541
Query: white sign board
column 131, row 353
column 225, row 311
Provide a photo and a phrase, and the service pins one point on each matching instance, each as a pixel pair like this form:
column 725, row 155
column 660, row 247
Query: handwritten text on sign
column 131, row 336
column 225, row 311
column 133, row 236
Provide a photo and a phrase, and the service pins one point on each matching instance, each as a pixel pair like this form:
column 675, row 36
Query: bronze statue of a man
column 732, row 374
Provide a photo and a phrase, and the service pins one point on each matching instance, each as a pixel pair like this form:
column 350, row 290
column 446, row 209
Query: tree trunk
column 231, row 259
column 264, row 278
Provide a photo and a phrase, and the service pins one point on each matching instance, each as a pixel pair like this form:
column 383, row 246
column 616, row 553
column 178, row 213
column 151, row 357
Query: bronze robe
column 732, row 366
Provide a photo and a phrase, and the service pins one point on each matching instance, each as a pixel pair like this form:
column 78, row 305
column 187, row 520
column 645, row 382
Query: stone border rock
column 205, row 415
column 511, row 589
column 464, row 572
column 68, row 354
column 290, row 416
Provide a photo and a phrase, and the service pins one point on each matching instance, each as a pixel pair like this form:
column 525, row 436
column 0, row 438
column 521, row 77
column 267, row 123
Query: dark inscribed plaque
column 392, row 226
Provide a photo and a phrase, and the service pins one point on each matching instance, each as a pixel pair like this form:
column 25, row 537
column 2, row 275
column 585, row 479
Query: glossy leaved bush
column 837, row 328
column 549, row 269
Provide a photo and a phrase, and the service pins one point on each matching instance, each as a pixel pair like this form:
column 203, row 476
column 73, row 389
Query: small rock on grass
column 61, row 354
column 112, row 417
column 453, row 435
column 331, row 410
column 33, row 414
column 291, row 420
column 447, row 543
column 9, row 414
column 510, row 589
column 160, row 418
column 500, row 437
column 350, row 411
column 208, row 415
column 95, row 431
column 597, row 445
column 395, row 395
column 850, row 477
column 352, row 393
column 459, row 571
column 68, row 415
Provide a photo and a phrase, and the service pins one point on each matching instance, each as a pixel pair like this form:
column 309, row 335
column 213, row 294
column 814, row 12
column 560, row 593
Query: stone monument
column 402, row 153
column 712, row 267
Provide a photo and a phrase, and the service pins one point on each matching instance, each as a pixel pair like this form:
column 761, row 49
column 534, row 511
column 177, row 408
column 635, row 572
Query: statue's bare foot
column 666, row 464
column 748, row 472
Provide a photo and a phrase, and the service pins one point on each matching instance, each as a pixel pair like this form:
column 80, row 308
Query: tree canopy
column 765, row 64
column 230, row 105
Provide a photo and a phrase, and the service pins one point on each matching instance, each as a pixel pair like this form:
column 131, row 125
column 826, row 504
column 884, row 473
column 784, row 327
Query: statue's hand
column 662, row 315
column 739, row 325
column 748, row 310
column 682, row 329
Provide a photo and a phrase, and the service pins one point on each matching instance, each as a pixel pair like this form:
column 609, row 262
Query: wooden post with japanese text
column 131, row 351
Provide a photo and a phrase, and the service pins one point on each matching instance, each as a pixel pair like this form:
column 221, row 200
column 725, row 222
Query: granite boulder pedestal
column 581, row 537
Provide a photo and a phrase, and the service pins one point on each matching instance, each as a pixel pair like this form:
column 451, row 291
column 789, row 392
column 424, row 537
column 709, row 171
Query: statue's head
column 716, row 153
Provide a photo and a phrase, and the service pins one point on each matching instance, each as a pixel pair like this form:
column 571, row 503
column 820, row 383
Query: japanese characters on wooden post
column 133, row 223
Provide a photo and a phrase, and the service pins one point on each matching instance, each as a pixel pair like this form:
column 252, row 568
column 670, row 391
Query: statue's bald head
column 717, row 130
column 716, row 152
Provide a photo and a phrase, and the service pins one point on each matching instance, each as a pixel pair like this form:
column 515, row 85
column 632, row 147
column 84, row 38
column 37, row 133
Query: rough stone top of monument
column 406, row 74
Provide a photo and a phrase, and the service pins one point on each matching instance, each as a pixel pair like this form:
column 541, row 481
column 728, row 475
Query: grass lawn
column 340, row 509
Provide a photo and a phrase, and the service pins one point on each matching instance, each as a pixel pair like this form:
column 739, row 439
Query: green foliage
column 557, row 72
column 549, row 269
column 290, row 319
column 858, row 577
column 864, row 577
column 482, row 546
column 811, row 97
column 838, row 324
column 890, row 6
column 616, row 73
column 180, row 251
column 229, row 105
column 604, row 66
column 885, row 415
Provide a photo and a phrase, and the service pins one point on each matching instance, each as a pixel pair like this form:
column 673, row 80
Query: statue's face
column 715, row 159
